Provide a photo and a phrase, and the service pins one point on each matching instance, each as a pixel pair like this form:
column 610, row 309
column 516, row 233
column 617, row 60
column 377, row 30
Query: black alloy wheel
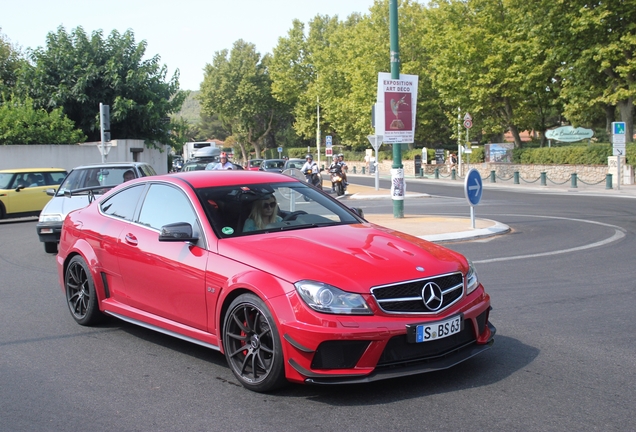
column 252, row 345
column 80, row 293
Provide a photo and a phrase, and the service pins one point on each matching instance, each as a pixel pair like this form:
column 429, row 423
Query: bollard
column 354, row 169
column 543, row 179
column 363, row 170
column 493, row 177
column 608, row 181
column 516, row 177
column 436, row 173
column 573, row 180
column 453, row 174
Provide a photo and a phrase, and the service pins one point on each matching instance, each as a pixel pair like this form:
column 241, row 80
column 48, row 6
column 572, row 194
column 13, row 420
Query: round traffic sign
column 468, row 124
column 473, row 187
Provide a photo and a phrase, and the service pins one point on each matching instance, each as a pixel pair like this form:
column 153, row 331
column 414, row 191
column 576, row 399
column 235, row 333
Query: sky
column 184, row 33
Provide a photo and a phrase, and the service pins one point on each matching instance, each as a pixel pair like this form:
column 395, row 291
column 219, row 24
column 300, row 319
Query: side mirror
column 50, row 191
column 180, row 231
column 358, row 211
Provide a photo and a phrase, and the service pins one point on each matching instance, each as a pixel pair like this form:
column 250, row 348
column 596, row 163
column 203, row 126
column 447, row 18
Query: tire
column 50, row 247
column 252, row 345
column 339, row 189
column 80, row 293
column 2, row 211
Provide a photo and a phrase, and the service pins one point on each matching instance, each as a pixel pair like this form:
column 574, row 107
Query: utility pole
column 398, row 205
column 318, row 130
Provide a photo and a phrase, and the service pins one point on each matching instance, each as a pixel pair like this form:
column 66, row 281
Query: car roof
column 28, row 170
column 112, row 165
column 203, row 179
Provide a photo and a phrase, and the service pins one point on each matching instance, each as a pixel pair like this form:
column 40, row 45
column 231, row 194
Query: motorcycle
column 313, row 177
column 337, row 182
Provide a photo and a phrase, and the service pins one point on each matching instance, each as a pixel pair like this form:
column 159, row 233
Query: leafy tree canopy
column 21, row 123
column 76, row 72
column 11, row 61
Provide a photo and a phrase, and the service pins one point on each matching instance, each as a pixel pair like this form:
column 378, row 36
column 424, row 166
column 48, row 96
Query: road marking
column 619, row 233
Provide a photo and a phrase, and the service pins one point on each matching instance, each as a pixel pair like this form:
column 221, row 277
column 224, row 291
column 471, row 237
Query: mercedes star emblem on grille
column 432, row 296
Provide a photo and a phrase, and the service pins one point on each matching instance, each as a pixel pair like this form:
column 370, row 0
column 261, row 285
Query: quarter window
column 122, row 204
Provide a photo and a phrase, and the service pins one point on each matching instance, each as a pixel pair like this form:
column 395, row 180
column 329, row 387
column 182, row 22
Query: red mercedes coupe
column 287, row 282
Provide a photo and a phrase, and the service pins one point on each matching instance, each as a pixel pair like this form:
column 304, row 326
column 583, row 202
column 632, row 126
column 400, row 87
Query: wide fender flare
column 264, row 285
column 85, row 250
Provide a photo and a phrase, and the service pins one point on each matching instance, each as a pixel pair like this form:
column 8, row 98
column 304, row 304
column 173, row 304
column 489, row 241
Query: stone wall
column 591, row 174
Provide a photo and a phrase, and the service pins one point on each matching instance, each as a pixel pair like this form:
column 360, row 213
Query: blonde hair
column 257, row 215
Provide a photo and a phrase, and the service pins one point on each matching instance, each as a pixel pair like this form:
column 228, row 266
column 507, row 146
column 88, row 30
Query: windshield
column 92, row 177
column 264, row 208
column 274, row 164
column 5, row 180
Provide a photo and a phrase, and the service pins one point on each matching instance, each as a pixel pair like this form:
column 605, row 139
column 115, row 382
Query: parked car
column 318, row 296
column 23, row 190
column 273, row 165
column 253, row 164
column 79, row 187
column 294, row 163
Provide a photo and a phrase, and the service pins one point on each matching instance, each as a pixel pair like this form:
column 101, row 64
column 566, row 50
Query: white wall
column 72, row 155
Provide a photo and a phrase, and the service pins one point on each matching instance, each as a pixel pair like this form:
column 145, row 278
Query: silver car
column 78, row 189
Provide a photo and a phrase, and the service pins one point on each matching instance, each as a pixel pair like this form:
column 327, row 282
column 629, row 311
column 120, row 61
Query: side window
column 147, row 170
column 57, row 177
column 123, row 204
column 164, row 205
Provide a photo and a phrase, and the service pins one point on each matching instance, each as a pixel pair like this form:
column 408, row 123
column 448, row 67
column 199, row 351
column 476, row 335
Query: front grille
column 398, row 350
column 407, row 297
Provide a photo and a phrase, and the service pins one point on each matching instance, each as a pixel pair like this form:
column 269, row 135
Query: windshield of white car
column 93, row 177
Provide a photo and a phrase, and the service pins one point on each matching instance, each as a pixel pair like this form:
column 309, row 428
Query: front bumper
column 357, row 349
column 49, row 231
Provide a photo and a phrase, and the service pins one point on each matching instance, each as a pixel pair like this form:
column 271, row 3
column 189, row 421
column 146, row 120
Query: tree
column 599, row 50
column 11, row 61
column 77, row 73
column 21, row 123
column 487, row 61
column 237, row 88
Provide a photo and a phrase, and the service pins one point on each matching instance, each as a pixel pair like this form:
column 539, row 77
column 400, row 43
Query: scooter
column 313, row 177
column 337, row 182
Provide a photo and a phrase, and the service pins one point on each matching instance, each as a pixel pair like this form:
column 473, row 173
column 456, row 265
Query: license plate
column 432, row 331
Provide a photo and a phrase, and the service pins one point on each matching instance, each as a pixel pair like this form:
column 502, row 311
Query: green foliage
column 237, row 88
column 21, row 123
column 76, row 72
column 595, row 154
column 10, row 62
column 191, row 109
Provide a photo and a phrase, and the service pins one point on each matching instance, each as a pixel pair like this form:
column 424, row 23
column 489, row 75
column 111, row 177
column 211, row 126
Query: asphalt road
column 563, row 293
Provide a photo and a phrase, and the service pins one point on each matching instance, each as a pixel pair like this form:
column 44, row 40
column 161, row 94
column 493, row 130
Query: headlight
column 471, row 279
column 51, row 217
column 328, row 299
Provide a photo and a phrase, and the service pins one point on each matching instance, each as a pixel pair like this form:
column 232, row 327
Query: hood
column 64, row 205
column 350, row 257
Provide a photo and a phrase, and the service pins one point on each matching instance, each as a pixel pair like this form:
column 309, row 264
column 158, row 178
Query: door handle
column 131, row 239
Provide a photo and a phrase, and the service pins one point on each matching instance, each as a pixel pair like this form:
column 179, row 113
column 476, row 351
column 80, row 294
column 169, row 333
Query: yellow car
column 23, row 190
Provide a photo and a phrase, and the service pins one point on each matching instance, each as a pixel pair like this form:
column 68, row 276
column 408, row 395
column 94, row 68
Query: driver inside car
column 264, row 213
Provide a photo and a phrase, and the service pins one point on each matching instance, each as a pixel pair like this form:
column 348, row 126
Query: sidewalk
column 437, row 229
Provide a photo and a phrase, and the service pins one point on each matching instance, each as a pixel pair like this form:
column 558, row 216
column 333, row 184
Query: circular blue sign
column 473, row 187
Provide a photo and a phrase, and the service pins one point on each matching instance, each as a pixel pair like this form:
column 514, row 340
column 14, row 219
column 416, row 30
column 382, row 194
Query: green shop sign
column 569, row 134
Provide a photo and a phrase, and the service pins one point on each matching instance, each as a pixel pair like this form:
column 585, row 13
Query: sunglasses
column 269, row 205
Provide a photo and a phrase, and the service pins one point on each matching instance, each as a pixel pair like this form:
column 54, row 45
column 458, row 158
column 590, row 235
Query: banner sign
column 397, row 103
column 569, row 134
